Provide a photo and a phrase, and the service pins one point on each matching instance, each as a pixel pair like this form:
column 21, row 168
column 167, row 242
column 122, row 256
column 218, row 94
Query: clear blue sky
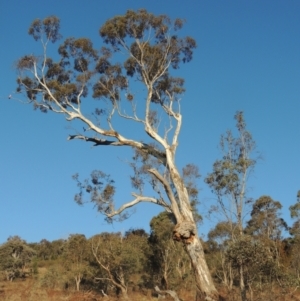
column 248, row 58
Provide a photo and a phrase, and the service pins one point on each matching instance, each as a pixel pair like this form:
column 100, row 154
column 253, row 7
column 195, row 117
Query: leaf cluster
column 265, row 219
column 15, row 254
column 101, row 189
column 49, row 27
column 295, row 214
column 227, row 175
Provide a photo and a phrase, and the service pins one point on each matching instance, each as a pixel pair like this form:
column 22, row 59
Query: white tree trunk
column 187, row 233
column 77, row 281
column 204, row 283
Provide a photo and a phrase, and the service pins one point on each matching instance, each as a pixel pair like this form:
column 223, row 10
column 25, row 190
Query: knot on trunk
column 184, row 231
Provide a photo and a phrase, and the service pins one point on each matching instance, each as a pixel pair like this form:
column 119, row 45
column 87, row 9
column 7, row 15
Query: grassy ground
column 30, row 290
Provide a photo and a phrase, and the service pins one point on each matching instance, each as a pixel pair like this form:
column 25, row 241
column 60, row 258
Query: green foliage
column 246, row 252
column 34, row 266
column 223, row 233
column 15, row 256
column 53, row 278
column 152, row 260
column 253, row 257
column 48, row 27
column 265, row 219
column 102, row 190
column 295, row 214
column 47, row 250
column 137, row 241
column 190, row 176
column 76, row 256
column 118, row 257
column 154, row 57
column 227, row 174
column 228, row 180
column 169, row 263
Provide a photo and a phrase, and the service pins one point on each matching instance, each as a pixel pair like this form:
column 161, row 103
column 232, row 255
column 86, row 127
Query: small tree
column 76, row 258
column 253, row 256
column 218, row 239
column 153, row 50
column 118, row 257
column 266, row 226
column 15, row 256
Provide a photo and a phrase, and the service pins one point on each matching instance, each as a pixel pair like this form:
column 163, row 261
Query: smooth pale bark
column 205, row 287
column 186, row 232
column 242, row 284
column 77, row 281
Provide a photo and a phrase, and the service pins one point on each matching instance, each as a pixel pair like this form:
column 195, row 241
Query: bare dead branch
column 144, row 147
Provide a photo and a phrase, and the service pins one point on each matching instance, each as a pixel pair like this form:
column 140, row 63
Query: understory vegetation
column 128, row 266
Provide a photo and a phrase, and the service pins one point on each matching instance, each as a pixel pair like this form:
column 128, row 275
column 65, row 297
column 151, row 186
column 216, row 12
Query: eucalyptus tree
column 229, row 179
column 133, row 71
column 230, row 175
column 267, row 226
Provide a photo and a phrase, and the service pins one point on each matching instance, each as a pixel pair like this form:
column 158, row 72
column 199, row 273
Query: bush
column 53, row 279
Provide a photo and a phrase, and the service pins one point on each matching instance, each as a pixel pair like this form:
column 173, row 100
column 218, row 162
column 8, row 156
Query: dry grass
column 30, row 290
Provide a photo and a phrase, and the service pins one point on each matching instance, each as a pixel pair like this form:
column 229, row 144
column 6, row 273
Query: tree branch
column 169, row 192
column 138, row 199
column 144, row 147
column 106, row 268
column 96, row 140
